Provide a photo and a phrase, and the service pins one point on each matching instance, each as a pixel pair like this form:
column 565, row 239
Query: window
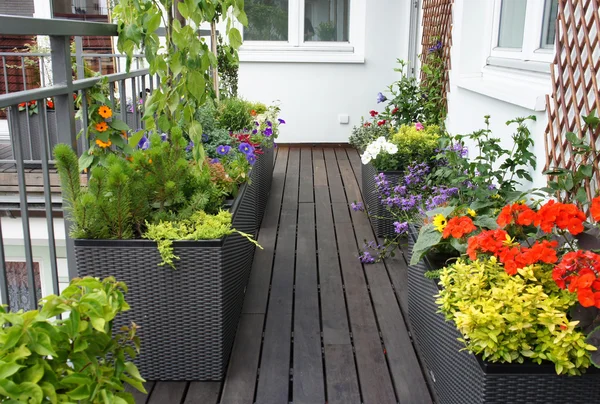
column 304, row 31
column 524, row 30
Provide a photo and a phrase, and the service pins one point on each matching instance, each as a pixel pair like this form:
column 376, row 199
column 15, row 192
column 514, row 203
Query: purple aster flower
column 246, row 148
column 144, row 143
column 215, row 161
column 357, row 206
column 205, row 138
column 268, row 131
column 190, row 146
column 400, row 228
column 366, row 258
column 223, row 150
column 251, row 158
column 163, row 137
column 381, row 98
column 281, row 121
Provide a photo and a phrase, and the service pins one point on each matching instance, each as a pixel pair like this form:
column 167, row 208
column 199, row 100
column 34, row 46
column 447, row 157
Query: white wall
column 312, row 95
column 502, row 94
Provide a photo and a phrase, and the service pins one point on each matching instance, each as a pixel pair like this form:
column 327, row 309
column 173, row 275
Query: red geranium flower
column 395, row 110
column 381, row 123
column 595, row 209
column 373, row 113
column 459, row 227
column 367, row 124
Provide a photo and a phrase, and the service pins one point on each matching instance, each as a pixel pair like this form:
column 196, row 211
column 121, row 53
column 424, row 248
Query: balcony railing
column 29, row 185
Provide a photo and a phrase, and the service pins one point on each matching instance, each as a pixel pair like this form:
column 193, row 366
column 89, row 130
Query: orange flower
column 101, row 127
column 586, row 297
column 517, row 213
column 149, row 161
column 105, row 112
column 595, row 209
column 50, row 104
column 565, row 216
column 22, row 105
column 459, row 227
column 253, row 113
column 103, row 144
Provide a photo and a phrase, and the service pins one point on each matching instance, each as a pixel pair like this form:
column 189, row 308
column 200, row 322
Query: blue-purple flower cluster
column 439, row 196
column 401, row 228
column 357, row 206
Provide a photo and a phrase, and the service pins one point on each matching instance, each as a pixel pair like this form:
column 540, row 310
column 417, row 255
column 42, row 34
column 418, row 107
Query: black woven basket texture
column 188, row 316
column 457, row 376
column 264, row 176
column 381, row 219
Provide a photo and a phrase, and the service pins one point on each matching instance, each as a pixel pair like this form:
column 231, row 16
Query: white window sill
column 526, row 89
column 342, row 53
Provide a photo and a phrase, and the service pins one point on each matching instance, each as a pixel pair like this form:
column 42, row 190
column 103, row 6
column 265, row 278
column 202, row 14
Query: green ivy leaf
column 117, row 124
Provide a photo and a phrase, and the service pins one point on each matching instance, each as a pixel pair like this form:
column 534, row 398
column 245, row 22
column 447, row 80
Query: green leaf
column 486, row 222
column 154, row 22
column 163, row 122
column 235, row 38
column 80, row 345
column 133, row 371
column 33, row 373
column 8, row 369
column 458, row 246
column 581, row 196
column 42, row 345
column 79, row 393
column 13, row 335
column 569, row 183
column 428, row 237
column 98, row 323
column 592, row 120
column 573, row 138
column 183, row 10
column 135, row 138
column 594, row 340
column 587, row 170
column 196, row 84
column 117, row 124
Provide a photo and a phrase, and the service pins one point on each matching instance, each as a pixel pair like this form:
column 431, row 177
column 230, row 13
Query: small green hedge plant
column 507, row 318
column 366, row 133
column 234, row 114
column 76, row 359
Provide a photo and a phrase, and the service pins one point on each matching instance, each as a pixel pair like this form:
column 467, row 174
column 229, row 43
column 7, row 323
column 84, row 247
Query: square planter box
column 188, row 316
column 382, row 221
column 263, row 176
column 463, row 378
column 29, row 130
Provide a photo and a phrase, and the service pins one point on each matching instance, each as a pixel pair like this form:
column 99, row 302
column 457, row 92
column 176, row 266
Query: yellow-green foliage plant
column 76, row 359
column 416, row 144
column 511, row 319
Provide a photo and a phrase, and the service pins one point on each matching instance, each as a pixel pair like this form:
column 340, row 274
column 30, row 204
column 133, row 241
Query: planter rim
column 138, row 243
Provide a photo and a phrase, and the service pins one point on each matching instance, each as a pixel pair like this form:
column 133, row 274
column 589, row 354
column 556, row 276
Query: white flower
column 366, row 157
column 380, row 140
column 390, row 148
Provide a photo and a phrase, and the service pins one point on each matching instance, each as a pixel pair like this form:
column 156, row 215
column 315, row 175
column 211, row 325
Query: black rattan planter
column 459, row 377
column 188, row 316
column 261, row 177
column 380, row 217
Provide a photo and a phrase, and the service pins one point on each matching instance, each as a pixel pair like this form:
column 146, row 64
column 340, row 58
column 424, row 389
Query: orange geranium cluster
column 459, row 227
column 511, row 254
column 595, row 209
column 579, row 272
column 565, row 216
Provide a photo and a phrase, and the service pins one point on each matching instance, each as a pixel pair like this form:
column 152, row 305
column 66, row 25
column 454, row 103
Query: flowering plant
column 404, row 106
column 266, row 126
column 377, row 147
column 367, row 132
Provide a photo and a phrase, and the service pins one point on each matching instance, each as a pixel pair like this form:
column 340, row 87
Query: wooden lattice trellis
column 437, row 27
column 575, row 82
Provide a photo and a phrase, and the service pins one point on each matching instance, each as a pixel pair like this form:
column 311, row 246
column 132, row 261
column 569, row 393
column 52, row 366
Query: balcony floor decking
column 317, row 326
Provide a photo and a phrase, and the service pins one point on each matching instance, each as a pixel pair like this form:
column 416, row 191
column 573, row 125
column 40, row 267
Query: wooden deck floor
column 317, row 326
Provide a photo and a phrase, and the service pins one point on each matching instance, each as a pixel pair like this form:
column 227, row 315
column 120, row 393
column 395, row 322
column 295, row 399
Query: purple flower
column 223, row 150
column 281, row 121
column 256, row 123
column 366, row 258
column 204, row 138
column 438, row 46
column 381, row 98
column 382, row 184
column 190, row 146
column 269, row 123
column 492, row 187
column 400, row 228
column 163, row 137
column 357, row 206
column 268, row 131
column 251, row 158
column 144, row 143
column 215, row 161
column 246, row 148
column 255, row 131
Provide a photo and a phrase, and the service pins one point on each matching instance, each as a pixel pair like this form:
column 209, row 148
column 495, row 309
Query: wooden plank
column 333, row 306
column 355, row 162
column 336, row 189
column 138, row 397
column 342, row 383
column 398, row 272
column 273, row 380
column 319, row 169
column 203, row 393
column 167, row 392
column 257, row 292
column 306, row 176
column 240, row 380
column 406, row 373
column 308, row 386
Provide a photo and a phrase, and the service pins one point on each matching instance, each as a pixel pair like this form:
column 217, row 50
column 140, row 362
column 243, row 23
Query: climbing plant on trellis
column 575, row 76
column 437, row 35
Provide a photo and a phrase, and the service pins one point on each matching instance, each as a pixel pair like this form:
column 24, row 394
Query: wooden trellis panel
column 437, row 27
column 575, row 82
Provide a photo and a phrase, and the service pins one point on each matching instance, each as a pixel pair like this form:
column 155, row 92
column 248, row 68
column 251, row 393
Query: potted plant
column 81, row 357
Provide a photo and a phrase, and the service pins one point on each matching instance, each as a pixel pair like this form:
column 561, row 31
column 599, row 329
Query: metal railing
column 65, row 127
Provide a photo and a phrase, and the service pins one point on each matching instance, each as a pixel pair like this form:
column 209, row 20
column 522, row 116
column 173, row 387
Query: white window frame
column 532, row 49
column 295, row 49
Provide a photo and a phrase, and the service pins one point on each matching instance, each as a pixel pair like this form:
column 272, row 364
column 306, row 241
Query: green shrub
column 76, row 359
column 414, row 146
column 507, row 318
column 363, row 135
column 234, row 114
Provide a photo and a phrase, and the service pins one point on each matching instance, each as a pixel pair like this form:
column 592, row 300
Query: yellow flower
column 102, row 127
column 103, row 144
column 105, row 112
column 471, row 212
column 439, row 222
